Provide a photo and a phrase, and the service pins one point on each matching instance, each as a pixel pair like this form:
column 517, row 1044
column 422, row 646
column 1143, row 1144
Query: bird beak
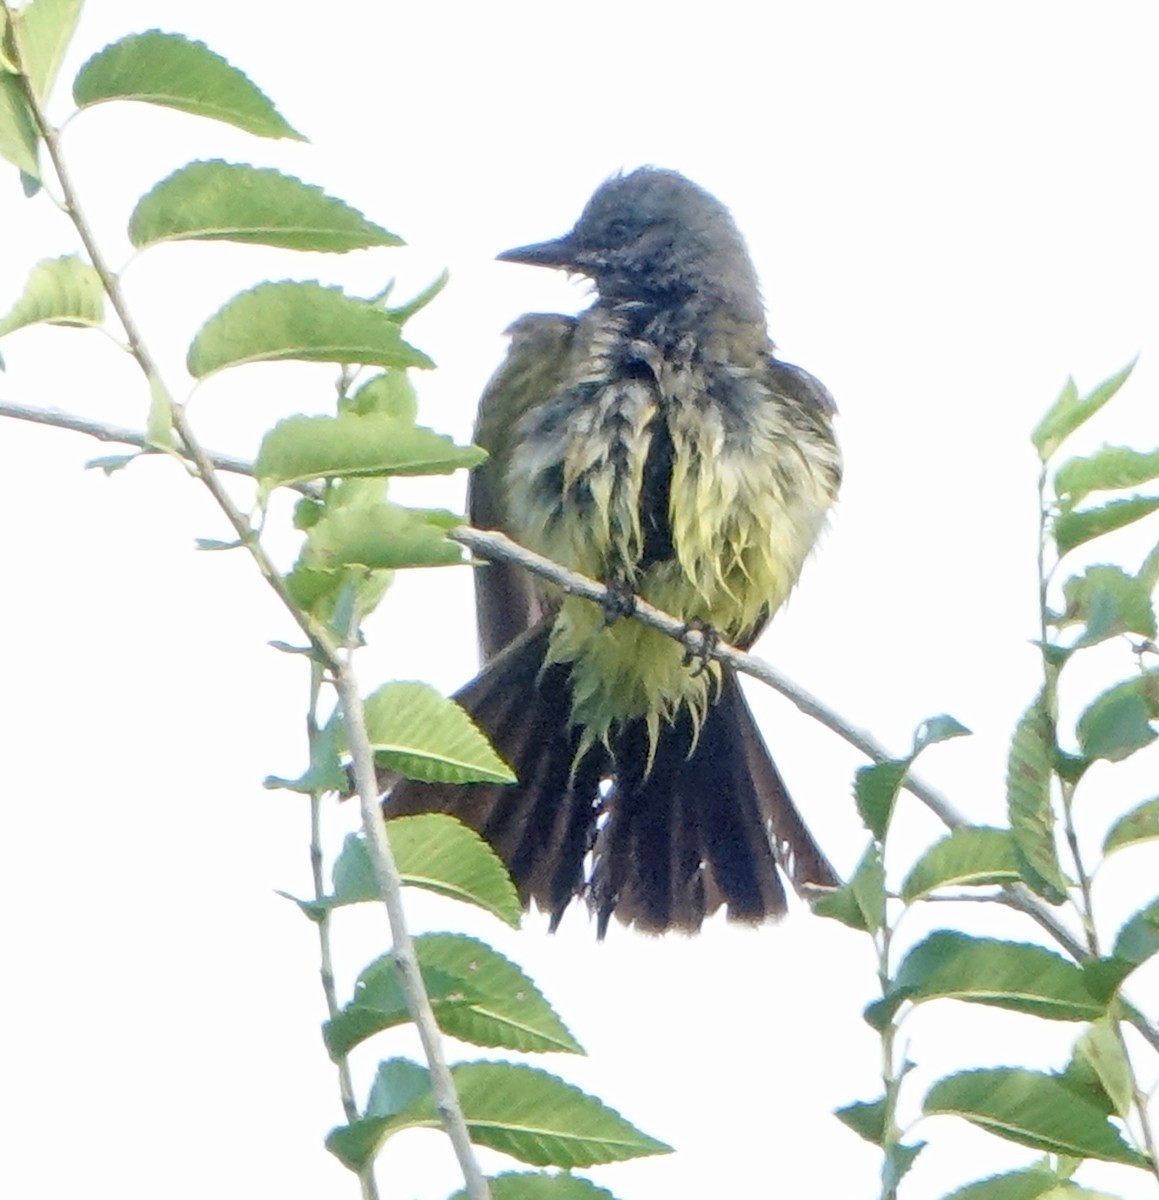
column 558, row 253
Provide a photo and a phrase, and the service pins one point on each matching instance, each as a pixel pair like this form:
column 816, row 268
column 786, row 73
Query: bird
column 654, row 442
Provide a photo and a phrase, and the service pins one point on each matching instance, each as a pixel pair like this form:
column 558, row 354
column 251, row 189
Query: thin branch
column 403, row 953
column 326, row 650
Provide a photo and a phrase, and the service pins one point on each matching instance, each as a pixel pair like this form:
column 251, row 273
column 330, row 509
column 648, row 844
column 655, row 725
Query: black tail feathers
column 669, row 844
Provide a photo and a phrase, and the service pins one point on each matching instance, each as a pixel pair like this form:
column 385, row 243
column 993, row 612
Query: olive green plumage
column 657, row 444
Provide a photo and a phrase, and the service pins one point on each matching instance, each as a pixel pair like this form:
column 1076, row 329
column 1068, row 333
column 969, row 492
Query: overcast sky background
column 951, row 208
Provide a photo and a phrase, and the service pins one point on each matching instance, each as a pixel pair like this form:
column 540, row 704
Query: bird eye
column 619, row 230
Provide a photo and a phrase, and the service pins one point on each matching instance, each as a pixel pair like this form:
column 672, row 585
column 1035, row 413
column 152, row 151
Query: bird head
column 654, row 236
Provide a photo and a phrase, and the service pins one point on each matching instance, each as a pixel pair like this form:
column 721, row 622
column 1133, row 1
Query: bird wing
column 508, row 600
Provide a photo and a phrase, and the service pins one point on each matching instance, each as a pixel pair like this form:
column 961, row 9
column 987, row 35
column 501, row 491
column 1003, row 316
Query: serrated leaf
column 418, row 732
column 517, row 1110
column 45, row 28
column 1028, row 802
column 1141, row 824
column 176, row 72
column 435, row 852
column 968, row 857
column 1072, row 529
column 1101, row 1049
column 1117, row 724
column 59, row 291
column 1034, row 1183
column 19, row 137
column 220, row 201
column 386, row 537
column 390, row 393
column 1013, row 975
column 1071, row 410
column 876, row 789
column 303, row 321
column 478, row 996
column 1108, row 469
column 937, row 729
column 866, row 1118
column 302, row 448
column 1108, row 602
column 1032, row 1109
column 541, row 1185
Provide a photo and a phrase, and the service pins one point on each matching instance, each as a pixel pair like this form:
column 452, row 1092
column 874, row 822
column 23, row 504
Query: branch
column 325, row 646
column 403, row 952
column 496, row 546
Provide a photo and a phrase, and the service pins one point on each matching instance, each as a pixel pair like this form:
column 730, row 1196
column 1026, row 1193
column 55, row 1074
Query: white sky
column 951, row 207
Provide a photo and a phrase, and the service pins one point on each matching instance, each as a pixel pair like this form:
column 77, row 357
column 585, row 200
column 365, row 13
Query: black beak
column 558, row 253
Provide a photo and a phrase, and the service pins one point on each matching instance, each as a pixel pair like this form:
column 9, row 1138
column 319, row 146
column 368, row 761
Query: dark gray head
column 653, row 235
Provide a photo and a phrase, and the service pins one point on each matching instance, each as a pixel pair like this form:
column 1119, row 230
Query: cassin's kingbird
column 655, row 443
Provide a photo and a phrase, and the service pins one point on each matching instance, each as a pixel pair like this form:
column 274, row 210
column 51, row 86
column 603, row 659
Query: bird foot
column 619, row 601
column 699, row 640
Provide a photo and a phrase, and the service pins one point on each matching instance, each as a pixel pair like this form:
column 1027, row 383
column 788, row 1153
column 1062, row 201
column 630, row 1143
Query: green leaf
column 173, row 71
column 868, row 886
column 866, row 1118
column 1108, row 469
column 1101, row 1049
column 302, row 448
column 1071, row 410
column 388, row 536
column 325, row 772
column 521, row 1111
column 59, row 291
column 899, row 1157
column 1109, row 602
column 389, row 393
column 1072, row 529
column 1014, row 975
column 418, row 732
column 1138, row 939
column 19, row 137
column 1028, row 801
column 968, row 857
column 305, row 321
column 220, row 201
column 45, row 28
column 1034, row 1183
column 329, row 594
column 1032, row 1109
column 404, row 312
column 478, row 996
column 876, row 789
column 937, row 729
column 1117, row 723
column 1141, row 824
column 541, row 1185
column 840, row 904
column 435, row 852
column 398, row 1083
column 110, row 463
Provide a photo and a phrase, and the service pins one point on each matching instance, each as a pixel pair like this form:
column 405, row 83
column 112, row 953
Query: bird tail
column 708, row 824
column 700, row 820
